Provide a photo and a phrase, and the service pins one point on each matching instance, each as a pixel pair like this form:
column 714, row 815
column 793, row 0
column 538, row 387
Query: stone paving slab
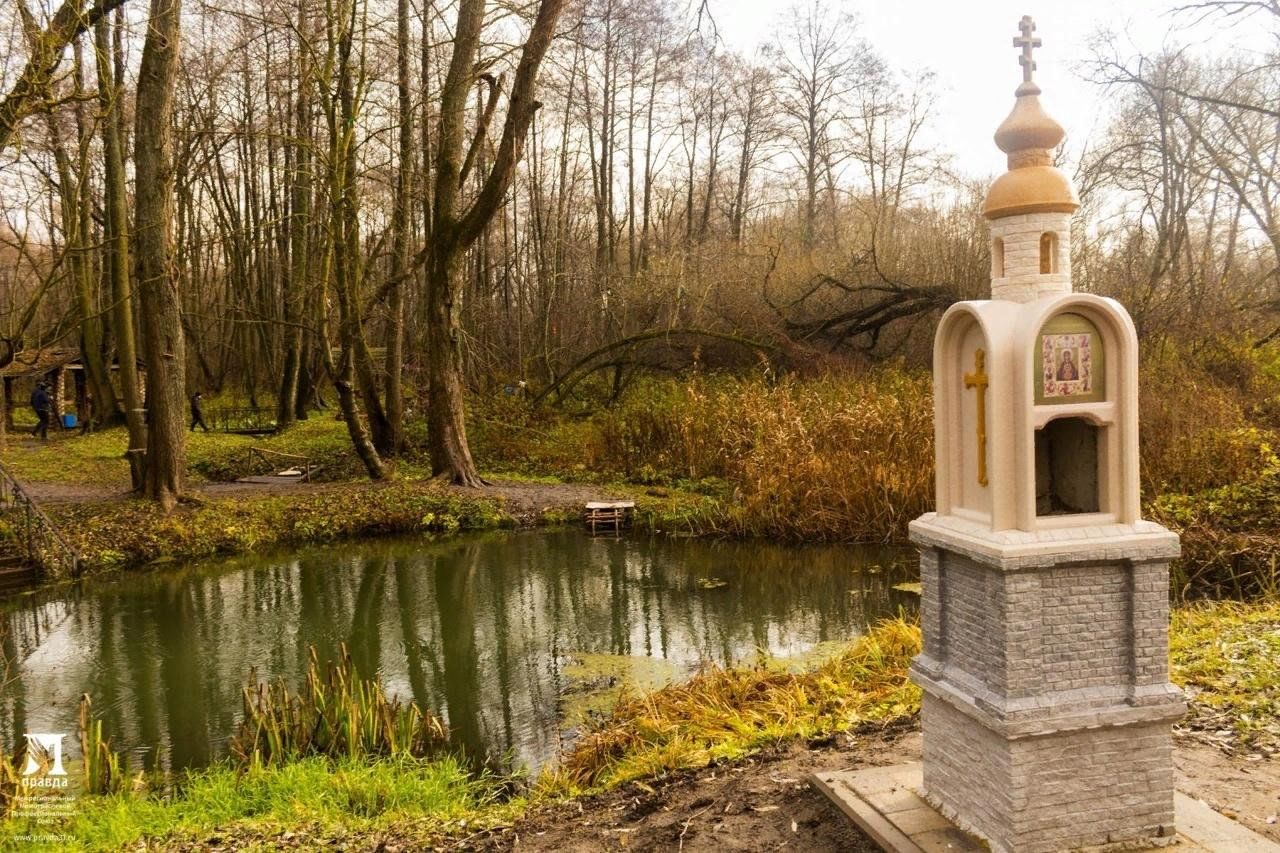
column 884, row 803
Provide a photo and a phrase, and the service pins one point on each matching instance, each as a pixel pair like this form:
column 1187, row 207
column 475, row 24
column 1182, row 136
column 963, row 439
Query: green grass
column 1226, row 655
column 323, row 796
column 122, row 534
column 94, row 460
column 320, row 438
column 336, row 714
column 725, row 714
column 98, row 459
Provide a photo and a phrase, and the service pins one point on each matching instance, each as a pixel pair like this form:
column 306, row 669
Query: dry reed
column 724, row 713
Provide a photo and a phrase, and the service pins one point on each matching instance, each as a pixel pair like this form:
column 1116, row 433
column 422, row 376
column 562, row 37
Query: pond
column 513, row 637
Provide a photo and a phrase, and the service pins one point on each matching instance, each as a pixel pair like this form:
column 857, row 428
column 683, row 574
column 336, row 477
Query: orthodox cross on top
column 1028, row 43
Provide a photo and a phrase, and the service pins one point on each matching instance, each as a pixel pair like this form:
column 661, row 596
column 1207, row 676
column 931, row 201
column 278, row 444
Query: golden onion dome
column 1028, row 136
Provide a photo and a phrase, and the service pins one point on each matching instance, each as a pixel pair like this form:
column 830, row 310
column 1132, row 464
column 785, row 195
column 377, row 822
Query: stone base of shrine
column 1064, row 789
column 890, row 806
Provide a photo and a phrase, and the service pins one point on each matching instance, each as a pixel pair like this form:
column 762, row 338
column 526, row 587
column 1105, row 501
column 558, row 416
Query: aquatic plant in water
column 337, row 714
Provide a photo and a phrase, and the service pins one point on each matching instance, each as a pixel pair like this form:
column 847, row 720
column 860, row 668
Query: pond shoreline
column 752, row 798
column 127, row 533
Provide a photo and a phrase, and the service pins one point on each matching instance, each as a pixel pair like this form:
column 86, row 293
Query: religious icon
column 1069, row 361
column 1067, row 366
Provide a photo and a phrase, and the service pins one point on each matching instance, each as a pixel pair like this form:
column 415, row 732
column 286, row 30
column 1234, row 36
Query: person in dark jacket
column 86, row 414
column 197, row 412
column 42, row 404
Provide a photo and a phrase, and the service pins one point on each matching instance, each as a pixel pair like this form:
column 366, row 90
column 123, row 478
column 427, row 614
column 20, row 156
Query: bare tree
column 117, row 256
column 816, row 65
column 158, row 298
column 47, row 49
column 454, row 228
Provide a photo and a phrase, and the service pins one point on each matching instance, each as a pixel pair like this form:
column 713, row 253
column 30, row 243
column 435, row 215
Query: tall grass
column 1210, row 469
column 334, row 755
column 843, row 457
column 849, row 456
column 102, row 768
column 1207, row 416
column 337, row 714
column 321, row 804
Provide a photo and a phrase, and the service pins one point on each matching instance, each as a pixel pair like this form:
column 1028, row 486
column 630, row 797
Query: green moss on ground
column 1226, row 656
column 120, row 534
column 306, row 802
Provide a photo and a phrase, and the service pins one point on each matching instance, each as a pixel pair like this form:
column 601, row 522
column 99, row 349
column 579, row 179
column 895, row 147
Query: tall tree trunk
column 345, row 253
column 158, row 295
column 453, row 230
column 91, row 325
column 299, row 228
column 116, row 244
column 400, row 239
column 74, row 204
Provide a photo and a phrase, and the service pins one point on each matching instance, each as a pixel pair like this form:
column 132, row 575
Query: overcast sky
column 969, row 46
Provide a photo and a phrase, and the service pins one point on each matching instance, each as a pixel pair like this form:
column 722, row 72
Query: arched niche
column 973, row 380
column 1077, row 446
column 1067, row 467
column 1048, row 253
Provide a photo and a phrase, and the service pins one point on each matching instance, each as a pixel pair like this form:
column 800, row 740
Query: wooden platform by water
column 609, row 515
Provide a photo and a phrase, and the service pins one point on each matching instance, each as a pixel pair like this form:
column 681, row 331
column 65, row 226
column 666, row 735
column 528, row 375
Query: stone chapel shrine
column 1047, row 706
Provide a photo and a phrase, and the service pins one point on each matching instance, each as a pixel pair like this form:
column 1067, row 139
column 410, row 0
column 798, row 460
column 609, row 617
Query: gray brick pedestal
column 1047, row 706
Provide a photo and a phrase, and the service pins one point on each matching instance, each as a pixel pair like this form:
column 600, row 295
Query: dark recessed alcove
column 1067, row 467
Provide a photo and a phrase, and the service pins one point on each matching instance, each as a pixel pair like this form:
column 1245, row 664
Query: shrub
column 843, row 457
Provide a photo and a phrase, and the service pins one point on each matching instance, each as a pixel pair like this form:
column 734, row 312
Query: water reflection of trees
column 478, row 630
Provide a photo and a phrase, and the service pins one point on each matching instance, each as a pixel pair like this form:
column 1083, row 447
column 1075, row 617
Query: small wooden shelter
column 53, row 365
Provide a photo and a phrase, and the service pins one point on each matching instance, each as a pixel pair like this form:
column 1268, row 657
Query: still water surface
column 501, row 634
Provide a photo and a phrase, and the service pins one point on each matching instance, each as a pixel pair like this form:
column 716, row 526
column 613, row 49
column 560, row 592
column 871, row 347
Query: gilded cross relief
column 978, row 381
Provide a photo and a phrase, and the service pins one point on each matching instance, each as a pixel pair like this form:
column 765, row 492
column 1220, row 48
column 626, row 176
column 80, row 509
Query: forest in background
column 393, row 209
column 708, row 280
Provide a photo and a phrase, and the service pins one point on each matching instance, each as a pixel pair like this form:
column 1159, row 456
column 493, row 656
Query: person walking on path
column 41, row 402
column 197, row 412
column 86, row 414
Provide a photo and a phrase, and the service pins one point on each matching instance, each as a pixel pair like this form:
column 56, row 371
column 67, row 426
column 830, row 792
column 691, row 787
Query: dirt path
column 758, row 804
column 1245, row 790
column 524, row 500
column 528, row 501
column 763, row 803
column 766, row 804
column 74, row 493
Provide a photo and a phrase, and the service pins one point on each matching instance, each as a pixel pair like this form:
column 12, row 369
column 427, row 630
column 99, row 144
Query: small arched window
column 1048, row 253
column 997, row 258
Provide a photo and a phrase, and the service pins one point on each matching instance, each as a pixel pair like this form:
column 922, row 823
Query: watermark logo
column 44, row 761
